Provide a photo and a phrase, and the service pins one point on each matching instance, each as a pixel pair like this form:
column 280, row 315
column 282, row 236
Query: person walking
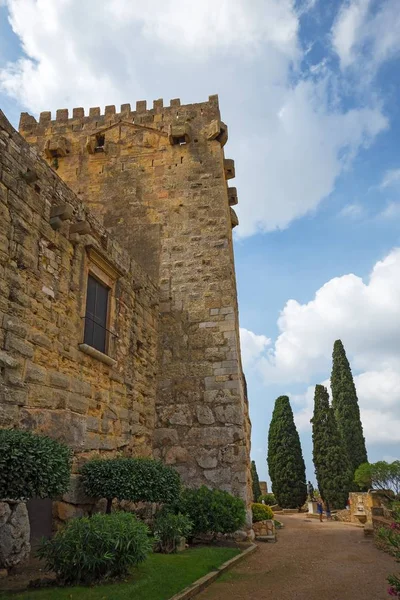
column 320, row 509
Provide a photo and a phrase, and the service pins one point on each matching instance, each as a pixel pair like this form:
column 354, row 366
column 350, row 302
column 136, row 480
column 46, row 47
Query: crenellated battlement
column 141, row 115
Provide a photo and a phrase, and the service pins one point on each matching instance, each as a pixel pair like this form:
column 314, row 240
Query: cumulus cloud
column 367, row 31
column 366, row 316
column 300, row 148
column 288, row 132
column 252, row 346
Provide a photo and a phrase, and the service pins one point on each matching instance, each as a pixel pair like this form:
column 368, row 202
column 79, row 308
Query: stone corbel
column 56, row 147
column 60, row 213
column 232, row 196
column 234, row 219
column 229, row 168
column 179, row 133
column 217, row 130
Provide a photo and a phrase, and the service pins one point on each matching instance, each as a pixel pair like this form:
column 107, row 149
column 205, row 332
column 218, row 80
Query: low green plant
column 212, row 511
column 267, row 499
column 133, row 479
column 261, row 512
column 169, row 528
column 92, row 549
column 32, row 465
column 381, row 475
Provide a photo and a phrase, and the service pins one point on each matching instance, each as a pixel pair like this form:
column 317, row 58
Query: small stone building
column 118, row 308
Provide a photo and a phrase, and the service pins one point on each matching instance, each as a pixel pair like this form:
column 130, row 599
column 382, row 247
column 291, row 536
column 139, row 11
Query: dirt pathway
column 310, row 561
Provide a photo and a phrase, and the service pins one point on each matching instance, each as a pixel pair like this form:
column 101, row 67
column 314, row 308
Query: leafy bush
column 261, row 512
column 91, row 549
column 380, row 476
column 212, row 511
column 32, row 465
column 391, row 538
column 169, row 528
column 133, row 479
column 268, row 499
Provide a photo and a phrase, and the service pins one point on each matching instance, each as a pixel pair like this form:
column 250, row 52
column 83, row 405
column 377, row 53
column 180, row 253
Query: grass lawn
column 158, row 578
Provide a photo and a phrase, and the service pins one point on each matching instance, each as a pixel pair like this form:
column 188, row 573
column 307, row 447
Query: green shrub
column 133, row 479
column 391, row 539
column 212, row 511
column 91, row 549
column 261, row 512
column 268, row 499
column 32, row 465
column 169, row 528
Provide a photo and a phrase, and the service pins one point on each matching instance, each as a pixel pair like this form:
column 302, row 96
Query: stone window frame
column 101, row 269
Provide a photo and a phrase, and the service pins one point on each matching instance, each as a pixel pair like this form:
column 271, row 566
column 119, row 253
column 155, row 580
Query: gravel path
column 310, row 561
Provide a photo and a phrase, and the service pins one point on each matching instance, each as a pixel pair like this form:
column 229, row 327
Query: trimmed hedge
column 92, row 549
column 261, row 512
column 212, row 511
column 133, row 479
column 32, row 465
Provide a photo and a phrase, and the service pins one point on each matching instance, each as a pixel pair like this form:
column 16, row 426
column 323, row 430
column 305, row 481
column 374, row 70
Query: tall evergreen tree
column 255, row 482
column 332, row 467
column 345, row 406
column 285, row 459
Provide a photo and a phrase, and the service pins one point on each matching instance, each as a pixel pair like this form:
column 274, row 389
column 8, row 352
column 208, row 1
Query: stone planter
column 14, row 533
column 265, row 531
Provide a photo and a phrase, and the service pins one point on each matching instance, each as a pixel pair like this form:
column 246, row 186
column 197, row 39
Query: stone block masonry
column 97, row 404
column 157, row 180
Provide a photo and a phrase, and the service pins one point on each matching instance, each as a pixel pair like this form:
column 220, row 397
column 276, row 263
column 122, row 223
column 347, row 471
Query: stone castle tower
column 157, row 180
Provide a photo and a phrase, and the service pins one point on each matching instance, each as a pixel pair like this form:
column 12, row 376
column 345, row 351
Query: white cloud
column 366, row 316
column 352, row 211
column 391, row 211
column 289, row 135
column 367, row 31
column 379, row 400
column 300, row 147
column 252, row 346
column 347, row 28
column 390, row 177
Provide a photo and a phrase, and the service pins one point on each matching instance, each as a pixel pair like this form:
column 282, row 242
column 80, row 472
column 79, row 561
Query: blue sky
column 310, row 91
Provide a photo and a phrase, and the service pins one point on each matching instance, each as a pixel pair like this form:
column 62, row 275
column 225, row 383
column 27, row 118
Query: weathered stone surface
column 50, row 386
column 204, row 415
column 176, row 313
column 76, row 493
column 265, row 531
column 65, row 512
column 218, row 476
column 230, row 414
column 207, row 459
column 177, row 455
column 14, row 534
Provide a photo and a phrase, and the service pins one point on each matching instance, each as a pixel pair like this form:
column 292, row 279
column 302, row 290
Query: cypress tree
column 255, row 482
column 285, row 459
column 345, row 406
column 332, row 467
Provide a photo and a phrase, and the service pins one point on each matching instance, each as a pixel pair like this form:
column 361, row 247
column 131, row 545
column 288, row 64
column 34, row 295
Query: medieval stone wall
column 48, row 242
column 157, row 179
